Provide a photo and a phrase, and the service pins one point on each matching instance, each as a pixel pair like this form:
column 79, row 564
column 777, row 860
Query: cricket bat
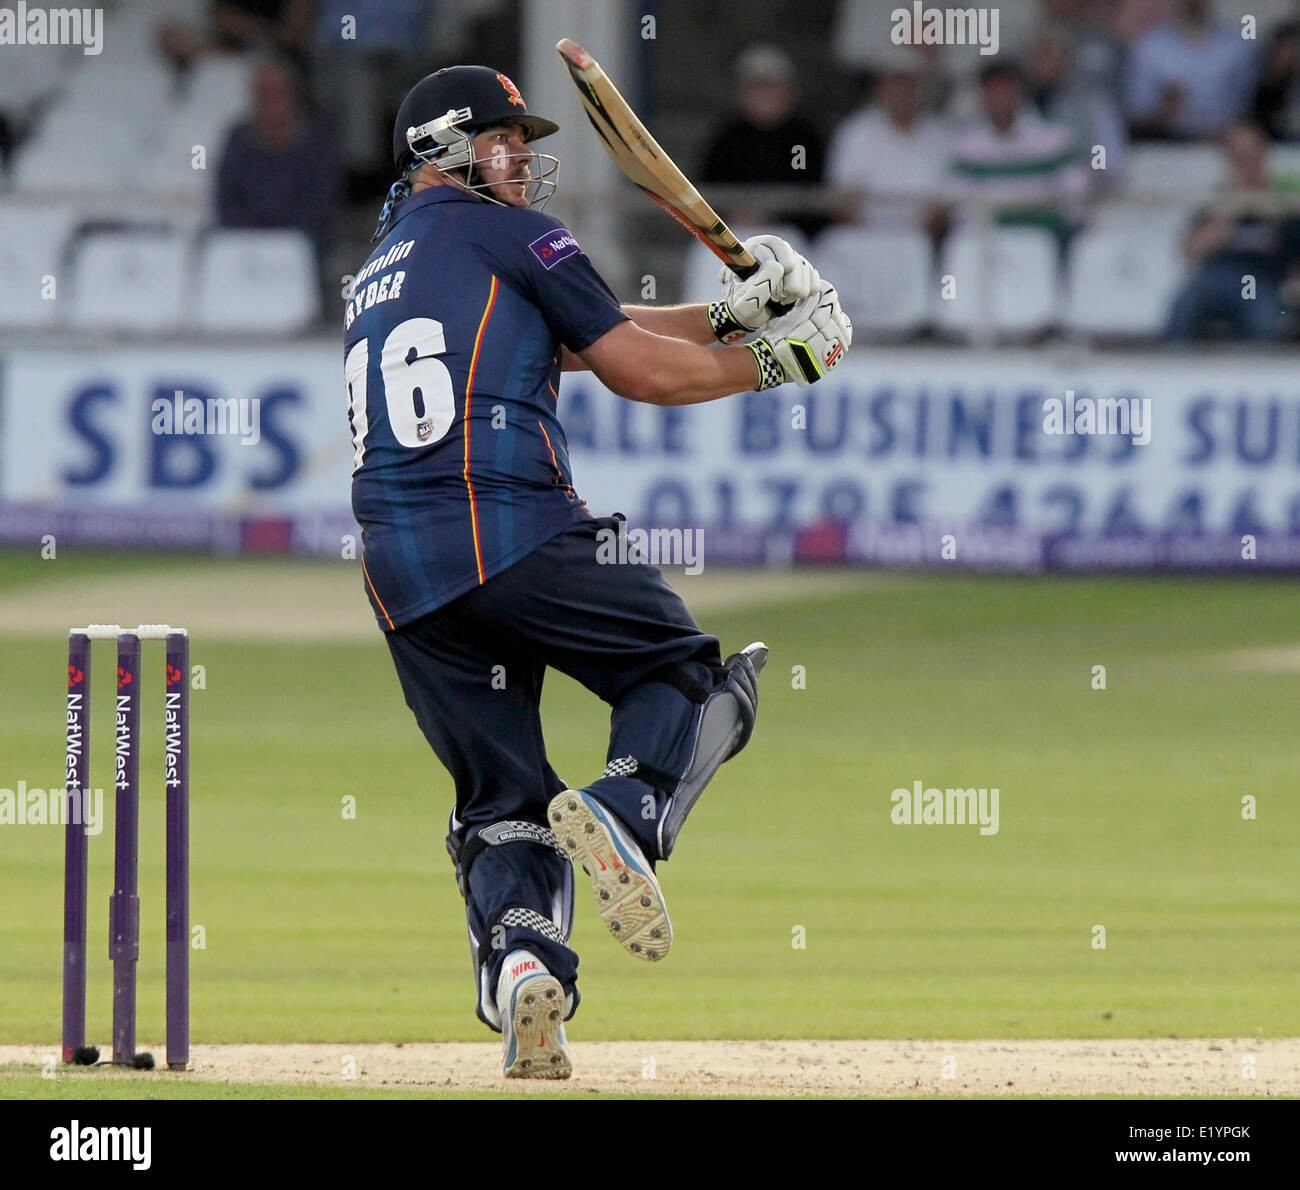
column 640, row 157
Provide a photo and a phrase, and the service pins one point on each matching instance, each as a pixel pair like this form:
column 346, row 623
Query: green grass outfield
column 1119, row 808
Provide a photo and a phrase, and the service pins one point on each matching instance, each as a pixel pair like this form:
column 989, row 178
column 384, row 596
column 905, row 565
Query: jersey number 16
column 417, row 386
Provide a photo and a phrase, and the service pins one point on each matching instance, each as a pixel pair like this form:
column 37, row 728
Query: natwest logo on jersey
column 553, row 247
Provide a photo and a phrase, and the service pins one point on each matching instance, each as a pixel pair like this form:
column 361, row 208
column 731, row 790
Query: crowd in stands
column 1045, row 127
column 1040, row 135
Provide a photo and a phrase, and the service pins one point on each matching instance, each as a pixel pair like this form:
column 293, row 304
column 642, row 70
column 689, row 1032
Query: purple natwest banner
column 1001, row 460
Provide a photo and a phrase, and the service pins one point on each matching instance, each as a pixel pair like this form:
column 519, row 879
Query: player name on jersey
column 362, row 295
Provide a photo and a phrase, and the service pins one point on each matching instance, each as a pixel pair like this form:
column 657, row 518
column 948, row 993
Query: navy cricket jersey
column 452, row 365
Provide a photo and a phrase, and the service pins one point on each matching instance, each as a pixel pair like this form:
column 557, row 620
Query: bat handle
column 777, row 308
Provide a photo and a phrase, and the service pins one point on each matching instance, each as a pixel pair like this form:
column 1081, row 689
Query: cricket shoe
column 622, row 880
column 531, row 1002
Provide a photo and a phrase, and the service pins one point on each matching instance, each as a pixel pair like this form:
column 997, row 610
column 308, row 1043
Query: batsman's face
column 503, row 160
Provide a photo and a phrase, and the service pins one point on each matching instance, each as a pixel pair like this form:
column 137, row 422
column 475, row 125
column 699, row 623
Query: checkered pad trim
column 530, row 919
column 725, row 328
column 624, row 766
column 770, row 372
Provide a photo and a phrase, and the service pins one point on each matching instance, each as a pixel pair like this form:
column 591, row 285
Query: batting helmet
column 487, row 95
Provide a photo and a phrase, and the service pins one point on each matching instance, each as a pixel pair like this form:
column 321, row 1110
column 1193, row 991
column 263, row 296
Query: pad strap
column 683, row 683
column 629, row 766
column 463, row 855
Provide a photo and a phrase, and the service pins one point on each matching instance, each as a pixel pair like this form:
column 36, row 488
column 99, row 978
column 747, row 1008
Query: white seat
column 32, row 240
column 700, row 281
column 75, row 150
column 138, row 88
column 1011, row 285
column 131, row 281
column 1284, row 162
column 884, row 278
column 257, row 282
column 1122, row 281
column 214, row 100
column 218, row 90
column 1157, row 219
column 110, row 130
column 1183, row 171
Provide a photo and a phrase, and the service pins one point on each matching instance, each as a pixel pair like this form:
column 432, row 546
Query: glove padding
column 804, row 344
column 782, row 278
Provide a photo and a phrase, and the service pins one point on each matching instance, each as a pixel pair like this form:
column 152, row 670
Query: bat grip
column 777, row 308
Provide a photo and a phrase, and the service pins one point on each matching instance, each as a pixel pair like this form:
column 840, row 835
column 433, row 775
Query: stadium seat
column 213, row 100
column 218, row 91
column 256, row 282
column 1157, row 218
column 132, row 86
column 32, row 241
column 1181, row 171
column 71, row 152
column 700, row 282
column 131, row 281
column 1284, row 163
column 884, row 278
column 1122, row 281
column 1018, row 296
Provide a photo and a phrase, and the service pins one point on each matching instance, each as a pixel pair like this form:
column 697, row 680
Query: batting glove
column 804, row 344
column 798, row 277
column 782, row 278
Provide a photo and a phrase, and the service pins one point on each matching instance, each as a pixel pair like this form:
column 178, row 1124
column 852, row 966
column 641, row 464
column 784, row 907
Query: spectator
column 29, row 82
column 862, row 36
column 1277, row 99
column 1072, row 77
column 278, row 169
column 281, row 25
column 890, row 153
column 236, row 26
column 767, row 143
column 360, row 81
column 1189, row 78
column 1249, row 233
column 1012, row 155
column 181, row 31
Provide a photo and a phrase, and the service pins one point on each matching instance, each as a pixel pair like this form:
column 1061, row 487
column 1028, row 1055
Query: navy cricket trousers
column 472, row 674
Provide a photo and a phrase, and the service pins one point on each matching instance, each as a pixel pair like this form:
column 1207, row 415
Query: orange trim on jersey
column 469, row 393
column 552, row 388
column 375, row 593
column 554, row 462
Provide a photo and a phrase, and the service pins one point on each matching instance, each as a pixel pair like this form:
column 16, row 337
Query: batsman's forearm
column 687, row 374
column 677, row 322
column 638, row 364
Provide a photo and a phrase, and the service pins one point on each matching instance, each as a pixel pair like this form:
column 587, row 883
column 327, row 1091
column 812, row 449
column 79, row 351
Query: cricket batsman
column 480, row 559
